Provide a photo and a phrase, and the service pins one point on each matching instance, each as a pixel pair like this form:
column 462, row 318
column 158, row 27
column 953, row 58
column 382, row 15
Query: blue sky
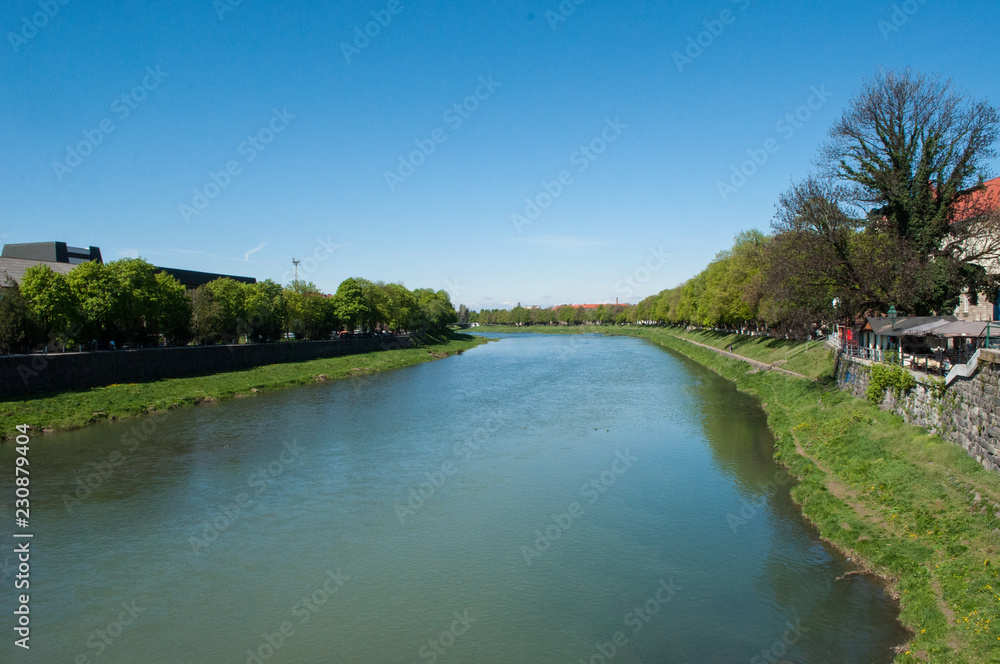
column 231, row 136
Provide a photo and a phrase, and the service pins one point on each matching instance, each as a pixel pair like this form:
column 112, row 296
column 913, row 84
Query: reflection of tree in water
column 801, row 573
column 798, row 575
column 735, row 427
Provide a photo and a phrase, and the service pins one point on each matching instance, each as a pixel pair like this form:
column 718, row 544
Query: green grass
column 77, row 408
column 814, row 359
column 897, row 500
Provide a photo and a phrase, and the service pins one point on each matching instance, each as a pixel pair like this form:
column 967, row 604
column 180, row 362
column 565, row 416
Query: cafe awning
column 962, row 329
column 927, row 329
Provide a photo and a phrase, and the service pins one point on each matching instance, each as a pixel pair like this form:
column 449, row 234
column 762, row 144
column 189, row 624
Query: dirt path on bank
column 755, row 363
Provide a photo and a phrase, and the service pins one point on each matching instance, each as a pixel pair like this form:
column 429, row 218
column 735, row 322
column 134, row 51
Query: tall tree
column 916, row 151
column 50, row 300
column 14, row 318
column 171, row 311
column 567, row 314
column 134, row 311
column 310, row 314
column 377, row 304
column 435, row 310
column 402, row 304
column 220, row 311
column 266, row 309
column 96, row 289
column 350, row 304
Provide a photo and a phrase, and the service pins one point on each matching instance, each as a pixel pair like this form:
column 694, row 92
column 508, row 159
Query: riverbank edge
column 74, row 409
column 859, row 529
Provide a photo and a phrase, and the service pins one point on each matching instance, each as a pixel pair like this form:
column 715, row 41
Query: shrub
column 884, row 376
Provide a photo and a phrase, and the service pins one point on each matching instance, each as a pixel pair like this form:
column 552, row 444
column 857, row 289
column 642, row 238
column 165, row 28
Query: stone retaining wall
column 967, row 412
column 20, row 374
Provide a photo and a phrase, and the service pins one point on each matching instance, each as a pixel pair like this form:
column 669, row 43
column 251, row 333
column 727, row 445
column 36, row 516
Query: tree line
column 131, row 302
column 895, row 214
column 567, row 314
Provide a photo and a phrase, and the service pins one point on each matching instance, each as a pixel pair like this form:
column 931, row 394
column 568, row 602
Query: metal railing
column 872, row 354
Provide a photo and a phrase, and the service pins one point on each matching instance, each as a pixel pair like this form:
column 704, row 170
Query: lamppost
column 892, row 321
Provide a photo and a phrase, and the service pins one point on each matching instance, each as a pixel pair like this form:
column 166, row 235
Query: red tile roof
column 980, row 201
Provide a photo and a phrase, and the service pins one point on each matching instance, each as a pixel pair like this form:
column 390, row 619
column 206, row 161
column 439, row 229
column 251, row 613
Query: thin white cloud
column 129, row 253
column 246, row 256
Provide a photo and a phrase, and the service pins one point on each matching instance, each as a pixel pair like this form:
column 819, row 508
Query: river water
column 538, row 499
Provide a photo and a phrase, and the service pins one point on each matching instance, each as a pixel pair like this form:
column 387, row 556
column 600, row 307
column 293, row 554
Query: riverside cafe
column 932, row 344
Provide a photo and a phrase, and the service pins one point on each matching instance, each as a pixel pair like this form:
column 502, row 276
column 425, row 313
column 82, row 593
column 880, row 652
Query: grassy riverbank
column 77, row 408
column 901, row 503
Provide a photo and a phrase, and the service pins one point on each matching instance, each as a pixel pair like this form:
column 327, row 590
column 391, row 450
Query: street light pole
column 892, row 321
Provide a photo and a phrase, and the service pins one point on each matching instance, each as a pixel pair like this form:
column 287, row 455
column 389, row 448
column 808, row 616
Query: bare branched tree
column 916, row 150
column 900, row 214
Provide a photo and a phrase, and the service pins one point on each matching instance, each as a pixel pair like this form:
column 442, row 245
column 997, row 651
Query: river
column 538, row 499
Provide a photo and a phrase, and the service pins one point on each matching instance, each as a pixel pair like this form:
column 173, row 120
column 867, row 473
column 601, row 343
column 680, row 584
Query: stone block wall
column 967, row 412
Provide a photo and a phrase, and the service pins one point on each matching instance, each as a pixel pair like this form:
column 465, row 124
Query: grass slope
column 77, row 408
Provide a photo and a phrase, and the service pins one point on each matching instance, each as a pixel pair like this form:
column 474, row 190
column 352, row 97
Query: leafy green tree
column 95, row 288
column 310, row 314
column 133, row 310
column 435, row 310
column 349, row 303
column 401, row 306
column 50, row 300
column 171, row 311
column 15, row 322
column 519, row 315
column 568, row 315
column 377, row 304
column 207, row 317
column 266, row 310
column 220, row 311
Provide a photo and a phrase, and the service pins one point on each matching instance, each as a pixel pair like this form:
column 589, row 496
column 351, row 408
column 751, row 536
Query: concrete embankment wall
column 967, row 412
column 20, row 374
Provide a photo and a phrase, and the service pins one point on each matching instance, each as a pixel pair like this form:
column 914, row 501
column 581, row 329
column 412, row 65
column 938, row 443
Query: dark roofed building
column 191, row 279
column 51, row 252
column 16, row 258
column 13, row 268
